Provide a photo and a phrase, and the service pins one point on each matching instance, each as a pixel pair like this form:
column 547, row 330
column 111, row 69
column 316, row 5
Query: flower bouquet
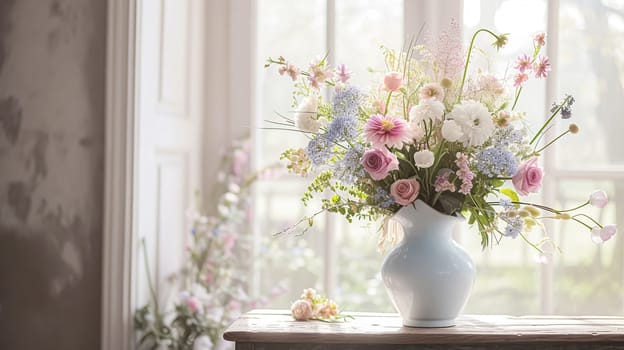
column 429, row 131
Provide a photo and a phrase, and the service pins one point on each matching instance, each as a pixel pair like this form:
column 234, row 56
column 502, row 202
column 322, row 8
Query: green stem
column 543, row 207
column 575, row 208
column 590, row 218
column 517, row 97
column 553, row 141
column 531, row 243
column 388, row 102
column 474, row 36
column 549, row 120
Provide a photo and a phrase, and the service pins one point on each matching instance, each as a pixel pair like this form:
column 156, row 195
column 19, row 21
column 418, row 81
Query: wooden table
column 276, row 330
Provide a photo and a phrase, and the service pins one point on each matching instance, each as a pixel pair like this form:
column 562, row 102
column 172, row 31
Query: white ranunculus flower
column 427, row 110
column 475, row 122
column 452, row 131
column 424, row 158
column 305, row 117
column 202, row 342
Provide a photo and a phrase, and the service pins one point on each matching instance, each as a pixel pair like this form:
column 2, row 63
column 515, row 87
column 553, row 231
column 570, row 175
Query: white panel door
column 169, row 66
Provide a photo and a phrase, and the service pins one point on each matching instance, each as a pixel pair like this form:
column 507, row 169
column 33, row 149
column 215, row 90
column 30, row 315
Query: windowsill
column 275, row 329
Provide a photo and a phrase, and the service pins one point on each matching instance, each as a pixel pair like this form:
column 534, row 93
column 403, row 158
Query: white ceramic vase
column 428, row 276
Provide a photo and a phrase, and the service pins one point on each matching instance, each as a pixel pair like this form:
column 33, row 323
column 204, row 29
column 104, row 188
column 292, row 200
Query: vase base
column 429, row 323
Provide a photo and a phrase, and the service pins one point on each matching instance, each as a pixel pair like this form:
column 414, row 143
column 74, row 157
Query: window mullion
column 550, row 183
column 329, row 236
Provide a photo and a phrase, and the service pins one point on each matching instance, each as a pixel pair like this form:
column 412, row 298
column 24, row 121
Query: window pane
column 508, row 277
column 295, row 30
column 588, row 277
column 591, row 68
column 361, row 27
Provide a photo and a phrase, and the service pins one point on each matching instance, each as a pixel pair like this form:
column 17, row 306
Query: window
column 341, row 258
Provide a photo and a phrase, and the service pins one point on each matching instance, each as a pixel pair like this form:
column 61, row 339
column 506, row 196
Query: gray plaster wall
column 52, row 91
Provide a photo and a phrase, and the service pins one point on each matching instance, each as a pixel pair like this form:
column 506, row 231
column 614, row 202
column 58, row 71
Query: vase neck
column 420, row 220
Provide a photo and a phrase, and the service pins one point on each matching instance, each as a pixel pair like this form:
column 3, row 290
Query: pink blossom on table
column 379, row 162
column 193, row 304
column 520, row 79
column 541, row 67
column 464, row 173
column 309, row 294
column 329, row 309
column 540, row 39
column 381, row 130
column 599, row 199
column 523, row 63
column 442, row 182
column 393, row 81
column 343, row 73
column 528, row 178
column 291, row 70
column 405, row 191
column 301, row 310
column 431, row 91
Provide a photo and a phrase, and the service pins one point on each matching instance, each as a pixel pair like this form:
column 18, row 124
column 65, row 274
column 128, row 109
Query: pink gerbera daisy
column 523, row 63
column 520, row 79
column 542, row 67
column 383, row 130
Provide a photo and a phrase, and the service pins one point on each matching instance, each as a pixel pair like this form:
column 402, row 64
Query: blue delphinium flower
column 503, row 137
column 347, row 101
column 495, row 162
column 566, row 107
column 514, row 226
column 383, row 198
column 505, row 203
column 349, row 169
column 342, row 128
column 319, row 150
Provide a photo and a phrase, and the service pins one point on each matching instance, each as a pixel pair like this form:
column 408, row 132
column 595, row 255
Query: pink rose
column 393, row 81
column 528, row 178
column 301, row 310
column 405, row 191
column 379, row 162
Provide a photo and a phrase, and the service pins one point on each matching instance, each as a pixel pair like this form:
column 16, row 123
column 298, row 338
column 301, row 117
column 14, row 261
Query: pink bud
column 393, row 81
column 193, row 304
column 607, row 232
column 598, row 199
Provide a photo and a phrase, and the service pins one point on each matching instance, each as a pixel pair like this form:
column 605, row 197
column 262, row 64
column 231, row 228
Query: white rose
column 427, row 110
column 424, row 158
column 202, row 342
column 305, row 117
column 451, row 131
